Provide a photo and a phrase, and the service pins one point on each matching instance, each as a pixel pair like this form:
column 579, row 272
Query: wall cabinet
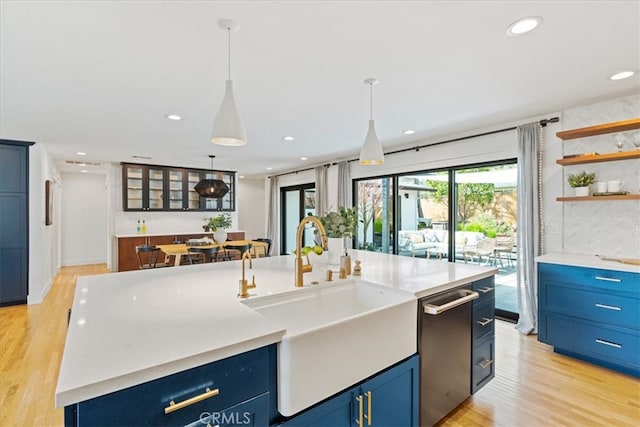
column 163, row 188
column 389, row 398
column 591, row 314
column 602, row 129
column 238, row 390
column 14, row 221
column 483, row 334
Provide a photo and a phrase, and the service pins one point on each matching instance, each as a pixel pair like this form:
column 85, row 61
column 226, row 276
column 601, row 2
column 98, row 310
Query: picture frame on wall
column 48, row 202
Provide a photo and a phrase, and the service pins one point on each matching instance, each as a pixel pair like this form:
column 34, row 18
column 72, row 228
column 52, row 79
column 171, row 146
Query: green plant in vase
column 581, row 181
column 339, row 225
column 218, row 225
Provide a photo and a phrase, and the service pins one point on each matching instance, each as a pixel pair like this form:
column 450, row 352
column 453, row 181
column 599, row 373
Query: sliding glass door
column 460, row 214
column 296, row 202
column 374, row 199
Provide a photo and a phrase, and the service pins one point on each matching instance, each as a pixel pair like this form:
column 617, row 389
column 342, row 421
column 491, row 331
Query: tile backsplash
column 606, row 227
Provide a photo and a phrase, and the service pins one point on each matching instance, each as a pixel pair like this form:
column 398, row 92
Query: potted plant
column 219, row 224
column 339, row 225
column 580, row 182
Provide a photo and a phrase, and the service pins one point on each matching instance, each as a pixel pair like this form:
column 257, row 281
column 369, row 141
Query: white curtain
column 529, row 244
column 322, row 198
column 272, row 214
column 344, row 185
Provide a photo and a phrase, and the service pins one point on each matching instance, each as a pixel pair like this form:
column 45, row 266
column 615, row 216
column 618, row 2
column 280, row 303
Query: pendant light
column 371, row 151
column 211, row 188
column 228, row 128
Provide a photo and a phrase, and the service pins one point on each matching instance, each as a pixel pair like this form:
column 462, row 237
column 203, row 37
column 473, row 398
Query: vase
column 335, row 247
column 220, row 236
column 581, row 191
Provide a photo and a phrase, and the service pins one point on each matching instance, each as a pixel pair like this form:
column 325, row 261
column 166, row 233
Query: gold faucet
column 244, row 286
column 306, row 268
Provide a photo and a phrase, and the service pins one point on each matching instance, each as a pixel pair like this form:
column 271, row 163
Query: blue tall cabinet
column 14, row 221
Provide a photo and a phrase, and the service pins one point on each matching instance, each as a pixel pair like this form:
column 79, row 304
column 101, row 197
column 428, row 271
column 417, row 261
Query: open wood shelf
column 598, row 198
column 596, row 158
column 600, row 129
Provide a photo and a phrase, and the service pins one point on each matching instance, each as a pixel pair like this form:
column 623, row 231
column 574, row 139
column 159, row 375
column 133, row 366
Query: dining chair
column 204, row 255
column 241, row 248
column 148, row 257
column 267, row 251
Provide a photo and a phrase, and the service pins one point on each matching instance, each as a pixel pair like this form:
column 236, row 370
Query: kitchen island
column 132, row 328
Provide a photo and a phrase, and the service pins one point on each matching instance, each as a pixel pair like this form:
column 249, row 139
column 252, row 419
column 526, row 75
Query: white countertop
column 177, row 233
column 132, row 327
column 590, row 261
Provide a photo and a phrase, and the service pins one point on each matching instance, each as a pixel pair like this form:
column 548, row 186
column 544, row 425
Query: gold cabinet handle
column 173, row 406
column 368, row 416
column 359, row 399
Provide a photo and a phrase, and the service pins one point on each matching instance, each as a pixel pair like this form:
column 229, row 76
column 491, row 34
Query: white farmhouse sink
column 337, row 335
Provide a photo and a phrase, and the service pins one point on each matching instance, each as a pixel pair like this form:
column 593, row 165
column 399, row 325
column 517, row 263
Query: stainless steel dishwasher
column 444, row 344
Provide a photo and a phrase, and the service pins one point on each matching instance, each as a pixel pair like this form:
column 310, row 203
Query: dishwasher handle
column 437, row 309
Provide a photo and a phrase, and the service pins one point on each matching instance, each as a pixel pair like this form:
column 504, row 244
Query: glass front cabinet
column 162, row 188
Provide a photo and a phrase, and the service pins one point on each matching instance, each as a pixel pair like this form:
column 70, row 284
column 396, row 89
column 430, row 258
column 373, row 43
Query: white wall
column 44, row 241
column 84, row 218
column 251, row 208
column 608, row 227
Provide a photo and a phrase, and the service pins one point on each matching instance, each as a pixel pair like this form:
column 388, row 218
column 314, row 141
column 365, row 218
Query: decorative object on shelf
column 371, row 151
column 339, row 225
column 228, row 128
column 619, row 142
column 636, row 140
column 580, row 182
column 219, row 224
column 614, row 186
column 211, row 188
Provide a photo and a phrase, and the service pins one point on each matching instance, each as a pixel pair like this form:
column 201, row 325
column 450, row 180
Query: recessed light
column 303, row 158
column 81, row 153
column 84, row 171
column 622, row 75
column 408, row 131
column 269, row 168
column 241, row 176
column 173, row 117
column 288, row 138
column 523, row 25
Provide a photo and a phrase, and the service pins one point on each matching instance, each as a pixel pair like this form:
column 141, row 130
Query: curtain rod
column 543, row 123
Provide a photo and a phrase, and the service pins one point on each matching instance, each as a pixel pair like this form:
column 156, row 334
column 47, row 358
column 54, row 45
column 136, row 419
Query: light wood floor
column 533, row 385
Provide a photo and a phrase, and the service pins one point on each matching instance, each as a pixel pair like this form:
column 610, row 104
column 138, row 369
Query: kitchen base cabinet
column 591, row 314
column 389, row 398
column 239, row 388
column 483, row 334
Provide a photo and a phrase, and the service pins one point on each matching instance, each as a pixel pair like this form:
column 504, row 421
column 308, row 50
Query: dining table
column 177, row 250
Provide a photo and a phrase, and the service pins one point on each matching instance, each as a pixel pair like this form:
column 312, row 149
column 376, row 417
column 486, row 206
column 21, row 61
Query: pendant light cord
column 229, row 50
column 371, row 92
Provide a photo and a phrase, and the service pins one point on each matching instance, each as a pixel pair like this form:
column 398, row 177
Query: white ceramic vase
column 581, row 191
column 335, row 249
column 220, row 235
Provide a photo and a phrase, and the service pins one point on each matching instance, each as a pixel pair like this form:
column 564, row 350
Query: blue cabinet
column 389, row 398
column 591, row 314
column 483, row 334
column 239, row 388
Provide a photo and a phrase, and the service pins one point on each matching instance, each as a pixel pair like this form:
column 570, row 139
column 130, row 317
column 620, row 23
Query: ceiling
column 99, row 77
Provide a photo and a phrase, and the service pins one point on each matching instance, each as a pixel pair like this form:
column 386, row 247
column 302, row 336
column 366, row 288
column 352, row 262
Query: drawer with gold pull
column 181, row 398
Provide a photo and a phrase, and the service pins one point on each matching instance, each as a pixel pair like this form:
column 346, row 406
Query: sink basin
column 337, row 335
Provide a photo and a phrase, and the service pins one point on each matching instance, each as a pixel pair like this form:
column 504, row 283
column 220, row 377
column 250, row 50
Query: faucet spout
column 302, row 268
